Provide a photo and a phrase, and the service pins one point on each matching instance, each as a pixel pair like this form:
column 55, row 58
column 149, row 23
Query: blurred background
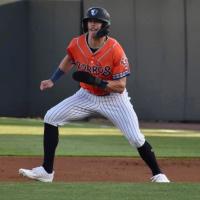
column 160, row 37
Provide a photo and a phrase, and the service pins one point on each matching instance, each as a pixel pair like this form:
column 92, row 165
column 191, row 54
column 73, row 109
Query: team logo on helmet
column 94, row 12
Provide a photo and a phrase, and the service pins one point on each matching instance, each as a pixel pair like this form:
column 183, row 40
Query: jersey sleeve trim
column 120, row 75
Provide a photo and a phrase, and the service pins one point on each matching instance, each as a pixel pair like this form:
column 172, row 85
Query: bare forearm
column 117, row 86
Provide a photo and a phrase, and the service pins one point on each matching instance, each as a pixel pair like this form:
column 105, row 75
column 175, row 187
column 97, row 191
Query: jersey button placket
column 92, row 60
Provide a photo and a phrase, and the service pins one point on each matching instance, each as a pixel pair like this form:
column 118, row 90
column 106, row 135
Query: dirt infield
column 102, row 169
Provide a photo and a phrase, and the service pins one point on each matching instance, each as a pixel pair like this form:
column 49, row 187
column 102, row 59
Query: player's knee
column 137, row 142
column 48, row 118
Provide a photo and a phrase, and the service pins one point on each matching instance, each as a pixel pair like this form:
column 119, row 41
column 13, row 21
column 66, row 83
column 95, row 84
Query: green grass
column 24, row 137
column 79, row 145
column 99, row 191
column 35, row 127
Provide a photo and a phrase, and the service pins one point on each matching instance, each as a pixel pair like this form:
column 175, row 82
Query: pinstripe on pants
column 115, row 107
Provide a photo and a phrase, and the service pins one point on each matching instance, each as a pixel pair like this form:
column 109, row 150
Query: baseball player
column 102, row 69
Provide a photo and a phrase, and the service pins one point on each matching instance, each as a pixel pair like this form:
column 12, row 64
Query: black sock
column 50, row 142
column 148, row 156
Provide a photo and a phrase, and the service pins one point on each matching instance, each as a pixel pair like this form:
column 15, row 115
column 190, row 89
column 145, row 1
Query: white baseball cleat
column 37, row 173
column 160, row 178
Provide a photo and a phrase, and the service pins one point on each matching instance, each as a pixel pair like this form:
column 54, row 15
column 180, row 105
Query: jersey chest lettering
column 96, row 70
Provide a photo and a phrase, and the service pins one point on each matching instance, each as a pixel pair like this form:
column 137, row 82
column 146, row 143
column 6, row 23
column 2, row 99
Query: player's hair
column 100, row 14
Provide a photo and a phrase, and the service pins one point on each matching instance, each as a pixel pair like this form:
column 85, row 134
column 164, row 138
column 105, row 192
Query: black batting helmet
column 100, row 14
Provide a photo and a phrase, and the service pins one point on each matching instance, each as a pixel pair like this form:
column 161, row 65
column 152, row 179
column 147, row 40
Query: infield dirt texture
column 108, row 169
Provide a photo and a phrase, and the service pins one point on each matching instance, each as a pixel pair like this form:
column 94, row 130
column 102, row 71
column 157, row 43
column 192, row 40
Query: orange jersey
column 108, row 63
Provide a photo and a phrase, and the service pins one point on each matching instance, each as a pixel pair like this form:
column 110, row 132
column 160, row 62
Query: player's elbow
column 121, row 88
column 121, row 85
column 118, row 88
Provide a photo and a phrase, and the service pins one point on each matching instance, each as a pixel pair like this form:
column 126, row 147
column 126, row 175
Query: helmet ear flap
column 103, row 31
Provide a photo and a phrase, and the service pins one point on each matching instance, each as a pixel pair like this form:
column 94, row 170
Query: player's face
column 94, row 26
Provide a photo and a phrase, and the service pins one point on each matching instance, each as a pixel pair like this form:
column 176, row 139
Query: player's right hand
column 46, row 84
